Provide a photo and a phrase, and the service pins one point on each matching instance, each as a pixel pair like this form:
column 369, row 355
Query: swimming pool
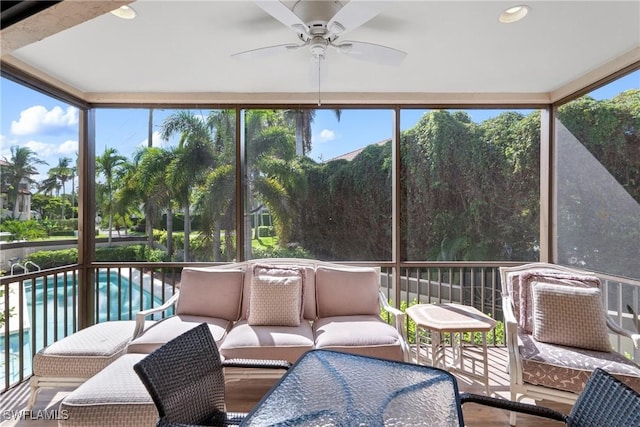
column 50, row 312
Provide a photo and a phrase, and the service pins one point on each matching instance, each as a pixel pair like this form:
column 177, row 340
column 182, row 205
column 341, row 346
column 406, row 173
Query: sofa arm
column 141, row 315
column 398, row 315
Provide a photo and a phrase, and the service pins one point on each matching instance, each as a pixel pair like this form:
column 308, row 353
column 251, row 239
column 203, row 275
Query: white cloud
column 156, row 141
column 326, row 135
column 38, row 119
column 68, row 148
column 41, row 149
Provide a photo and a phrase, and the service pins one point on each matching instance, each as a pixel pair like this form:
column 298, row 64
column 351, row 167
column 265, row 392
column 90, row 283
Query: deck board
column 243, row 394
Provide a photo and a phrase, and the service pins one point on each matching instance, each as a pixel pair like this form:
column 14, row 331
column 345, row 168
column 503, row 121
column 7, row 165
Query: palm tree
column 49, row 186
column 194, row 156
column 21, row 166
column 151, row 178
column 216, row 200
column 302, row 119
column 273, row 173
column 275, row 176
column 62, row 173
column 110, row 165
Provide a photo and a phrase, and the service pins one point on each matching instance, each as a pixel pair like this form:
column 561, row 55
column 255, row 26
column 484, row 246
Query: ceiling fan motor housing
column 316, row 15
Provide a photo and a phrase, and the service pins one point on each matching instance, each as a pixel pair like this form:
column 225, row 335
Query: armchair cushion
column 570, row 316
column 348, row 291
column 525, row 315
column 211, row 293
column 569, row 368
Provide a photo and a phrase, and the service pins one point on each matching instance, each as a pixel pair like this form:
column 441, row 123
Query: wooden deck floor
column 242, row 395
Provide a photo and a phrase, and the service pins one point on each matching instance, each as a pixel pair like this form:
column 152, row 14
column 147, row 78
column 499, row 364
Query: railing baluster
column 131, row 293
column 7, row 342
column 20, row 331
column 55, row 307
column 45, row 311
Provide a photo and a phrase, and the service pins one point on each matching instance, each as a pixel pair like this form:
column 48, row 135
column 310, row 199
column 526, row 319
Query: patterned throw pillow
column 525, row 318
column 276, row 298
column 570, row 316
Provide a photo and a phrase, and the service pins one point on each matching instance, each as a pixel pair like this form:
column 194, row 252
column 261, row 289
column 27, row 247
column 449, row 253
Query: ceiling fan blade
column 372, row 52
column 283, row 14
column 263, row 52
column 354, row 14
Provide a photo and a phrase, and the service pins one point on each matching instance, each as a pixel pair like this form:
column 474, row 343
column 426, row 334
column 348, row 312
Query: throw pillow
column 525, row 317
column 281, row 271
column 347, row 291
column 275, row 300
column 211, row 292
column 570, row 316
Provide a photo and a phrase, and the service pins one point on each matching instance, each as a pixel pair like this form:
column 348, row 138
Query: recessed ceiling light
column 124, row 12
column 514, row 14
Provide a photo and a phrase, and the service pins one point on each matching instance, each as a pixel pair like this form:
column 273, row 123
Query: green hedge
column 62, row 233
column 130, row 253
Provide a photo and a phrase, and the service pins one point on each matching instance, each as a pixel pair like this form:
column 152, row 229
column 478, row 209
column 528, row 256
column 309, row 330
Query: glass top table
column 330, row 388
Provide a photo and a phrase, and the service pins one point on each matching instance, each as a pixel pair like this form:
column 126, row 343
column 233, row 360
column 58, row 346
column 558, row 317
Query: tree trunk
column 148, row 226
column 187, row 231
column 110, row 224
column 228, row 245
column 170, row 232
column 299, row 142
column 217, row 244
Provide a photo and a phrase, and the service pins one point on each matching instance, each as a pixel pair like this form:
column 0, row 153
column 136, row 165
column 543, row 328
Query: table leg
column 486, row 362
column 460, row 357
column 418, row 343
column 438, row 350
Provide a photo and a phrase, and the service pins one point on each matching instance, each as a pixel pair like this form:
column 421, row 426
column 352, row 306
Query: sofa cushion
column 569, row 316
column 275, row 301
column 525, row 317
column 347, row 291
column 569, row 368
column 267, row 342
column 165, row 330
column 211, row 292
column 367, row 335
column 308, row 290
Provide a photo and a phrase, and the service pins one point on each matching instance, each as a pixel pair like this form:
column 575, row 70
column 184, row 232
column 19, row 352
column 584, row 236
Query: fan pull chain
column 319, row 59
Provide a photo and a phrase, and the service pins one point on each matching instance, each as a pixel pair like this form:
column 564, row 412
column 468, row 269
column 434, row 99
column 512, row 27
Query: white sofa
column 338, row 308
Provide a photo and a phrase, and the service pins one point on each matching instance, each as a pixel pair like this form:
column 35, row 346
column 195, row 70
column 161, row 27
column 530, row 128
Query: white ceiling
column 456, row 51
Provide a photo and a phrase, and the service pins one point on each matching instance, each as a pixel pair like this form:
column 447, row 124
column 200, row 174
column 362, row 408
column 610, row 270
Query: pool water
column 56, row 308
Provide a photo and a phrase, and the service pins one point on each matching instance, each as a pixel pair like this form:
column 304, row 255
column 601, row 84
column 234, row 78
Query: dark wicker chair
column 186, row 381
column 604, row 402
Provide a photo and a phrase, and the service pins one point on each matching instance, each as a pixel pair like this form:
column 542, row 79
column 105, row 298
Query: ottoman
column 73, row 359
column 114, row 396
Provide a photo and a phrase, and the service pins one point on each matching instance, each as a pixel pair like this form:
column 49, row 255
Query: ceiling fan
column 319, row 24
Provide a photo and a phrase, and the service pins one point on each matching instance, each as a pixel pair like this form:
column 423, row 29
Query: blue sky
column 50, row 128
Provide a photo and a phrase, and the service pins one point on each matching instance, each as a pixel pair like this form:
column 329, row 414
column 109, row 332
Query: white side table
column 455, row 320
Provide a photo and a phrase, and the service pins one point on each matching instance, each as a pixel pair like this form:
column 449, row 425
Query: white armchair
column 553, row 351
